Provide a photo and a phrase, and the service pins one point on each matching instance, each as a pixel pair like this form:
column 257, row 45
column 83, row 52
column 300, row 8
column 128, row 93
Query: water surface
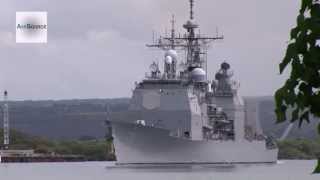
column 284, row 170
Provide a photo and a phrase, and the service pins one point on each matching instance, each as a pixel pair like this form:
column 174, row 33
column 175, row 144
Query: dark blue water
column 284, row 170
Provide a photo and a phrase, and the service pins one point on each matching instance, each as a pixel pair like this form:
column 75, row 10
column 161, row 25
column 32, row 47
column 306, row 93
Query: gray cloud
column 96, row 48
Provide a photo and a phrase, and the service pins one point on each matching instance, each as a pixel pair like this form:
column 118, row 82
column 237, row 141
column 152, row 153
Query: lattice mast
column 194, row 44
column 6, row 127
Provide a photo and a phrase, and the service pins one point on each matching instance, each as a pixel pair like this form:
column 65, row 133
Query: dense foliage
column 301, row 92
column 92, row 150
column 299, row 149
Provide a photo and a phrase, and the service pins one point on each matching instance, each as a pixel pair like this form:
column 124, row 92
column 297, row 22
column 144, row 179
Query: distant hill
column 76, row 119
column 267, row 118
column 64, row 119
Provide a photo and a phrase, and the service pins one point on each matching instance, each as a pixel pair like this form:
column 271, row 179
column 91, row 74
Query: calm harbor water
column 284, row 170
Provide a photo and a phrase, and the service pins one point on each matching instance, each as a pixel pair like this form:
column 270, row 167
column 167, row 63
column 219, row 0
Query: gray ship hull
column 146, row 145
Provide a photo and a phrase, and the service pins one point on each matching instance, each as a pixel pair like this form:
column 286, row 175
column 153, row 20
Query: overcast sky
column 96, row 48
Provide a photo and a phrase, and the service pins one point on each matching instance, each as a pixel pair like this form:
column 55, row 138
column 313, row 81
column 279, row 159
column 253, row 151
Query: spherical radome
column 198, row 74
column 168, row 60
column 198, row 71
column 172, row 53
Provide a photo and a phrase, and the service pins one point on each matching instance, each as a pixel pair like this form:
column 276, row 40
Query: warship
column 178, row 116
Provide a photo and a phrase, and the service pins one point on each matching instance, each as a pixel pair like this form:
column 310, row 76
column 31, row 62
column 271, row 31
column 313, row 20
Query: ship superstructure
column 177, row 115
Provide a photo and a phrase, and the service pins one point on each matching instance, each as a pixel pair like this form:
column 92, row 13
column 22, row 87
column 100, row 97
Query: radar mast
column 195, row 45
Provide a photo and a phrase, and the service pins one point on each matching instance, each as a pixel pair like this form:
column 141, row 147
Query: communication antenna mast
column 194, row 46
column 6, row 127
column 191, row 9
column 173, row 32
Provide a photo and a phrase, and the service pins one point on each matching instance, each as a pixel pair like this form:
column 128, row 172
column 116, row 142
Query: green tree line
column 299, row 149
column 92, row 150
